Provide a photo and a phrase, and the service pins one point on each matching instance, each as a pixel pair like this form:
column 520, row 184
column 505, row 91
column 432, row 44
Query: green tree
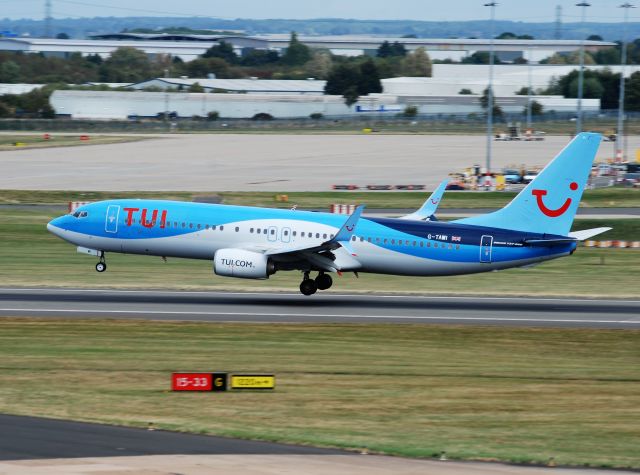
column 479, row 57
column 126, row 64
column 388, row 50
column 484, row 102
column 202, row 67
column 417, row 64
column 536, row 108
column 259, row 57
column 196, row 87
column 341, row 78
column 607, row 56
column 369, row 78
column 632, row 93
column 297, row 53
column 320, row 65
column 465, row 91
column 351, row 95
column 222, row 50
column 10, row 72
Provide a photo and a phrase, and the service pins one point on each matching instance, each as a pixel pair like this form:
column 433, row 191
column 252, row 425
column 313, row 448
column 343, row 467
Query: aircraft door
column 111, row 221
column 486, row 248
column 272, row 235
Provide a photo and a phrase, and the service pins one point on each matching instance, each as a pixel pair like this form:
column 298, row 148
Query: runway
column 273, row 307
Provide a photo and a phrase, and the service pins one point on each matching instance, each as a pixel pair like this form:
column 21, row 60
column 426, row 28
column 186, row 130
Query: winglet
column 430, row 206
column 343, row 237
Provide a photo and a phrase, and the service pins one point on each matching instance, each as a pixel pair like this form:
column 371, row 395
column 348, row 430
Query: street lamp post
column 492, row 6
column 583, row 5
column 623, row 63
column 529, row 91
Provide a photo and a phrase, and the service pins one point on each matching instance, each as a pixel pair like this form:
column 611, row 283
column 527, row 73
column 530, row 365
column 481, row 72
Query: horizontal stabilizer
column 587, row 233
column 548, row 242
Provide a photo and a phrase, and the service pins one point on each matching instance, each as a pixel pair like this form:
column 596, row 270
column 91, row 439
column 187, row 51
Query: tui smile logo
column 553, row 213
column 435, row 201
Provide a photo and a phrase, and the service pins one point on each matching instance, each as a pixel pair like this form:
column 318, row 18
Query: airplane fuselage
column 379, row 245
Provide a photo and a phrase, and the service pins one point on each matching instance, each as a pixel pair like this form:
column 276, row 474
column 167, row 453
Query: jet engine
column 242, row 264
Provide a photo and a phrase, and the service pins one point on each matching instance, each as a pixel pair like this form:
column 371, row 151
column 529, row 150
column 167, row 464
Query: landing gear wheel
column 308, row 287
column 324, row 281
column 101, row 266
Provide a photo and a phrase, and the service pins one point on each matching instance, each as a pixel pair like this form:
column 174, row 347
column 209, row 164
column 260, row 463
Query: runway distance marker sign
column 191, row 381
column 253, row 381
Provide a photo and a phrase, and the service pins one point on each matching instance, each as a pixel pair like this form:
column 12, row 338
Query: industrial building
column 240, row 86
column 189, row 47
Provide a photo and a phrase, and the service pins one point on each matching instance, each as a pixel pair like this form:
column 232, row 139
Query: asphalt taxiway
column 274, row 307
column 37, row 446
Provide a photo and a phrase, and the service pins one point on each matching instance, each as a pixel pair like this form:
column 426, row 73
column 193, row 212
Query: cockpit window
column 80, row 214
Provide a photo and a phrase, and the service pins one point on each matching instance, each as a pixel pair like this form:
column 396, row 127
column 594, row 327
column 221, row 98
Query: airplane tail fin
column 549, row 203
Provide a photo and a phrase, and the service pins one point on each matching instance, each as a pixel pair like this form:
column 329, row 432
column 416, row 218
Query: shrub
column 316, row 115
column 410, row 111
column 262, row 116
column 213, row 115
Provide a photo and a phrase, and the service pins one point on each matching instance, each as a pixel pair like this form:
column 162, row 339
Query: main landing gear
column 310, row 286
column 102, row 265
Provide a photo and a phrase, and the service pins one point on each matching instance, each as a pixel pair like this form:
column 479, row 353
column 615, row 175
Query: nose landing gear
column 102, row 265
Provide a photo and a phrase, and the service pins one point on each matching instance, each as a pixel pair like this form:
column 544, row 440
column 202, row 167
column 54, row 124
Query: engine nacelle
column 242, row 264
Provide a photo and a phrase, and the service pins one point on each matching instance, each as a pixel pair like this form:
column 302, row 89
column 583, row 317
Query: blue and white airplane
column 254, row 243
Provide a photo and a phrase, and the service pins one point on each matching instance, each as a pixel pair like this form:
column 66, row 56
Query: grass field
column 601, row 198
column 512, row 394
column 30, row 256
column 8, row 142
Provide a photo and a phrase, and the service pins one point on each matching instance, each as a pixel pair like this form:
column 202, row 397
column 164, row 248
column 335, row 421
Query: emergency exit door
column 111, row 223
column 486, row 244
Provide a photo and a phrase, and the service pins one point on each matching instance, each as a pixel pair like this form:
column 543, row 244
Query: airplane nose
column 55, row 226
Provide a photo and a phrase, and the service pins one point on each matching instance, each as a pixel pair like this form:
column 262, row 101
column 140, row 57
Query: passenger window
column 199, row 226
column 317, row 235
column 457, row 247
column 450, row 246
column 237, row 229
column 385, row 241
column 435, row 244
column 213, row 228
column 273, row 231
column 361, row 239
column 221, row 228
column 183, row 225
column 369, row 239
column 302, row 234
column 429, row 244
column 324, row 236
column 393, row 241
column 286, row 233
column 421, row 243
column 191, row 225
column 206, row 226
column 251, row 230
column 415, row 243
column 294, row 233
column 353, row 238
column 377, row 239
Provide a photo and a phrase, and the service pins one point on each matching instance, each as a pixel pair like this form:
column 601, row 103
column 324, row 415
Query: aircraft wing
column 430, row 206
column 333, row 255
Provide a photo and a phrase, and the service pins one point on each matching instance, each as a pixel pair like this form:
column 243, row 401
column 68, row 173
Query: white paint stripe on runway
column 295, row 294
column 313, row 315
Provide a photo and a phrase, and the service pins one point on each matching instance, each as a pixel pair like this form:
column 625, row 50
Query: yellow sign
column 252, row 381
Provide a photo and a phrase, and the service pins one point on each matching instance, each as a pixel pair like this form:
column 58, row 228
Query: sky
column 431, row 10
